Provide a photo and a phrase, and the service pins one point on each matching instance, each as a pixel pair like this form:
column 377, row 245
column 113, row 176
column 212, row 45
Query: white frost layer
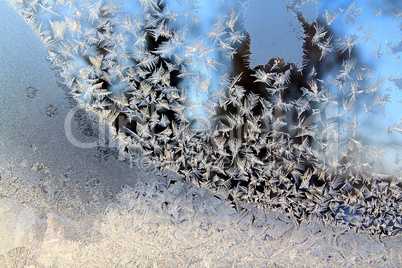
column 274, row 32
column 50, row 217
column 177, row 226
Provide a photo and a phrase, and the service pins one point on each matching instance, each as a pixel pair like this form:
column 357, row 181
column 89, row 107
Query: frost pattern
column 31, row 92
column 277, row 135
column 163, row 225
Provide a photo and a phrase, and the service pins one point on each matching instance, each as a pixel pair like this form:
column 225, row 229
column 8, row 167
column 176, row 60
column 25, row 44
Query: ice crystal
column 51, row 110
column 31, row 92
column 150, row 223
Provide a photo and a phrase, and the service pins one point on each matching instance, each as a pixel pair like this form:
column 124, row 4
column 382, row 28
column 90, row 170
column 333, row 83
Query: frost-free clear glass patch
column 276, row 122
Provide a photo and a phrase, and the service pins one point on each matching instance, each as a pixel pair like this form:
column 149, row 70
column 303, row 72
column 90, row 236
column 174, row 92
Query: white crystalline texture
column 188, row 198
column 161, row 225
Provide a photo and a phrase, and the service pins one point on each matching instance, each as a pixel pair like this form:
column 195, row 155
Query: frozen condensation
column 274, row 171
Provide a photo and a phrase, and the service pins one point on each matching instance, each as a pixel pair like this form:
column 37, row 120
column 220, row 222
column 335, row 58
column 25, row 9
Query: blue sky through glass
column 378, row 27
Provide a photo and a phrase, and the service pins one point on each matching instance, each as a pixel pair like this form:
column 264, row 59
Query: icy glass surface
column 200, row 133
column 286, row 42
